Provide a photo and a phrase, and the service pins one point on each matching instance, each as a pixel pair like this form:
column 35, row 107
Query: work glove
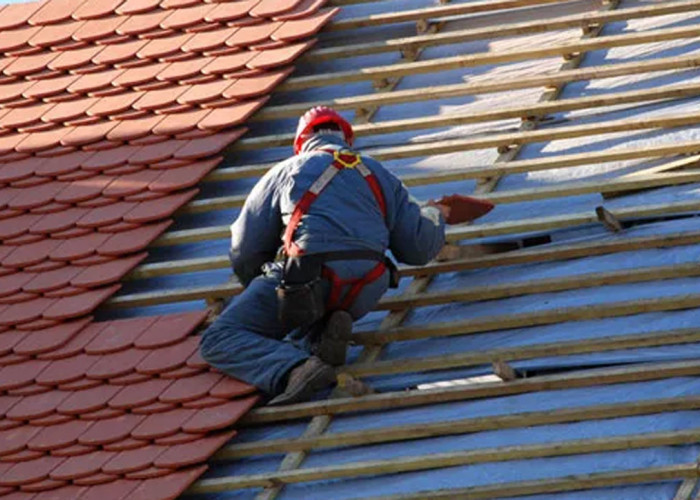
column 463, row 208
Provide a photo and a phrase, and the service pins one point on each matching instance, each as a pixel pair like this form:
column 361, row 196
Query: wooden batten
column 471, row 359
column 432, row 13
column 529, row 319
column 426, row 430
column 412, row 398
column 556, row 485
column 457, row 62
column 501, row 30
column 427, row 299
column 513, row 196
column 530, row 111
column 677, row 63
column 509, row 258
column 452, row 459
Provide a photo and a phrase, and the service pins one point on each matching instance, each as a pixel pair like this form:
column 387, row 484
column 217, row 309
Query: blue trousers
column 248, row 342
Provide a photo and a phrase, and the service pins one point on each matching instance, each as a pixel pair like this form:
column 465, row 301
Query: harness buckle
column 342, row 159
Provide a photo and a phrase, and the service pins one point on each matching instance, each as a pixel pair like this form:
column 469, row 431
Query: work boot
column 333, row 344
column 304, row 381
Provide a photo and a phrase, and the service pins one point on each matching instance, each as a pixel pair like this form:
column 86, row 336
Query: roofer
column 309, row 246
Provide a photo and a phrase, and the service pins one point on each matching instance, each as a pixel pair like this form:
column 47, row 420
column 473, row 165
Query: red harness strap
column 356, row 286
column 341, row 160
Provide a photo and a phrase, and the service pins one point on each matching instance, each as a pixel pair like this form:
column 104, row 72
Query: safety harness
column 341, row 160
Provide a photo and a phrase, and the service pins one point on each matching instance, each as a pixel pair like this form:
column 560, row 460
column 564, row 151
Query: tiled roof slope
column 110, row 113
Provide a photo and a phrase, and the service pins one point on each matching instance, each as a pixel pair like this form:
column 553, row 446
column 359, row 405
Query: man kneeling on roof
column 309, row 246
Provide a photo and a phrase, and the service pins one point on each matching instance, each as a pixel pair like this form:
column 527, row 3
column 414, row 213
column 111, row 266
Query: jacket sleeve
column 416, row 232
column 255, row 236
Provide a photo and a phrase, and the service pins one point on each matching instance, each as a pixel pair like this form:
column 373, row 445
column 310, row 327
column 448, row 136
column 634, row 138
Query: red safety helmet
column 316, row 116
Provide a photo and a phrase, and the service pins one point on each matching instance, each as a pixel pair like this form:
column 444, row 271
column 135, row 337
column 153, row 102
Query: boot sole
column 322, row 379
column 332, row 348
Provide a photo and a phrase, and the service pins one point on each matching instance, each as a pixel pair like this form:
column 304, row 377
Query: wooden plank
column 192, row 236
column 411, row 398
column 685, row 490
column 292, row 460
column 487, row 58
column 556, row 485
column 476, row 231
column 683, row 163
column 678, row 63
column 366, row 114
column 396, row 303
column 530, row 110
column 431, row 13
column 510, row 152
column 398, row 465
column 529, row 319
column 568, row 220
column 168, row 296
column 463, row 360
column 500, row 30
column 690, row 162
column 547, row 285
column 525, row 137
column 484, row 230
column 519, row 166
column 608, row 219
column 425, row 430
column 510, row 196
column 503, row 259
column 169, row 268
column 557, row 252
column 579, row 188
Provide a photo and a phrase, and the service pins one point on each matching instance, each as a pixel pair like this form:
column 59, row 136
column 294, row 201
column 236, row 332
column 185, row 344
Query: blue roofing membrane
column 474, row 475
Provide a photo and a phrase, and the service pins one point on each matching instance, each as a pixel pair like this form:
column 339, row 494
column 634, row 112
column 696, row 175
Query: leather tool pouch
column 300, row 300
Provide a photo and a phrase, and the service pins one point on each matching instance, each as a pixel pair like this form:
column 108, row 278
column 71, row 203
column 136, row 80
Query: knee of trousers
column 209, row 344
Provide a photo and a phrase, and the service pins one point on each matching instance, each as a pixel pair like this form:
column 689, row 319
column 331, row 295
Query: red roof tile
column 119, row 335
column 54, row 11
column 59, row 436
column 162, row 424
column 114, row 490
column 269, row 8
column 140, row 394
column 116, row 110
column 36, row 406
column 43, row 485
column 63, row 371
column 30, row 471
column 95, row 479
column 166, row 487
column 134, row 460
column 190, row 388
column 192, row 453
column 95, row 10
column 50, row 337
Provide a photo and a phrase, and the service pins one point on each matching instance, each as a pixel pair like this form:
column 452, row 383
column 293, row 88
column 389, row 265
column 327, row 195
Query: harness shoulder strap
column 341, row 161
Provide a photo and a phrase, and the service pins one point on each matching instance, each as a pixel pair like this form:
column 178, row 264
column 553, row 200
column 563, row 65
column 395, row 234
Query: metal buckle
column 353, row 164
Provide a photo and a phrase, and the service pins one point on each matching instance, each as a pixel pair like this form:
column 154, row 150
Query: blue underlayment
column 486, row 473
column 564, row 332
column 657, row 491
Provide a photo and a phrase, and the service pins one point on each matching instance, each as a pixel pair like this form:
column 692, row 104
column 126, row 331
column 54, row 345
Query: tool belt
column 300, row 294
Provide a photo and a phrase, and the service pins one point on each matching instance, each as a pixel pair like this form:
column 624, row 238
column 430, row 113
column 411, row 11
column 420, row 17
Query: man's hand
column 444, row 209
